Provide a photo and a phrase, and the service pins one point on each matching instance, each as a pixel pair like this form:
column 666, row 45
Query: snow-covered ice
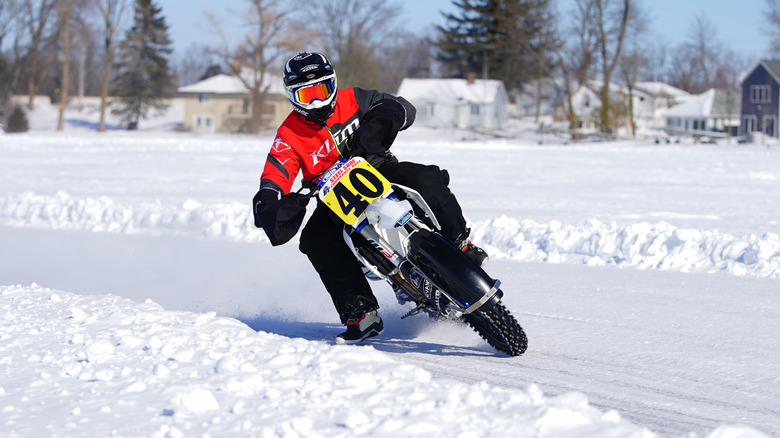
column 140, row 300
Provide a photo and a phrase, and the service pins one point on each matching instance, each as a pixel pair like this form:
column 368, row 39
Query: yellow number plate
column 350, row 190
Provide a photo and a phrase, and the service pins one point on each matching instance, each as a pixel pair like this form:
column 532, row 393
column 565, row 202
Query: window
column 425, row 111
column 749, row 124
column 474, row 109
column 760, row 94
column 203, row 123
column 770, row 127
column 204, row 98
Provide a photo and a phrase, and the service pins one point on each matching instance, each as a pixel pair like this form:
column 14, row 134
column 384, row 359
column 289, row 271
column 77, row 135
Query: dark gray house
column 761, row 99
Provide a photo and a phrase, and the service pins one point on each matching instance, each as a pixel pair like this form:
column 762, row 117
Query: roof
column 452, row 91
column 726, row 103
column 219, row 84
column 661, row 89
column 711, row 103
column 772, row 66
column 228, row 84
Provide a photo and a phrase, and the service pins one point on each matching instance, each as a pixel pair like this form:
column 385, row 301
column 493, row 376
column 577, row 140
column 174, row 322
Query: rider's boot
column 473, row 252
column 361, row 327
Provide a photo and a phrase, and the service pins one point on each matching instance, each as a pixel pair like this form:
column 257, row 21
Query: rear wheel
column 500, row 329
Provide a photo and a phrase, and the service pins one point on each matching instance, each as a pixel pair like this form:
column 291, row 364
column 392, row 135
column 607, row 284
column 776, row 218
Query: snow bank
column 643, row 245
column 64, row 212
column 101, row 365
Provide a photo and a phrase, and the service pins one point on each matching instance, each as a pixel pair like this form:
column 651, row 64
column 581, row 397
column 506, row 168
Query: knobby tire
column 500, row 329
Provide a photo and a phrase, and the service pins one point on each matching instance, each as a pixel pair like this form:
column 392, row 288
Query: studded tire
column 500, row 329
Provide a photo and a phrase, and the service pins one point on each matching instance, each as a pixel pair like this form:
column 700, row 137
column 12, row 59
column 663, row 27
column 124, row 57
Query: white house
column 221, row 103
column 586, row 102
column 714, row 110
column 660, row 98
column 650, row 100
column 479, row 104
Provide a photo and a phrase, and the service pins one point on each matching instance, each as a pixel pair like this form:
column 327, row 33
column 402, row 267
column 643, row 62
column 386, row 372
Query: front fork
column 389, row 259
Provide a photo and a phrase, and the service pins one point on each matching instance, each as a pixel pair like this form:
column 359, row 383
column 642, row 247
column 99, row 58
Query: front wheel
column 500, row 329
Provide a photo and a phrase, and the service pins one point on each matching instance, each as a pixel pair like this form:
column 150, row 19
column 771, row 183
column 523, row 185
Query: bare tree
column 680, row 73
column 83, row 38
column 194, row 63
column 576, row 54
column 258, row 53
column 772, row 16
column 727, row 80
column 629, row 66
column 702, row 43
column 9, row 71
column 695, row 62
column 611, row 21
column 65, row 9
column 111, row 12
column 655, row 57
column 411, row 57
column 8, row 11
column 631, row 62
column 352, row 39
column 41, row 31
column 541, row 46
column 70, row 22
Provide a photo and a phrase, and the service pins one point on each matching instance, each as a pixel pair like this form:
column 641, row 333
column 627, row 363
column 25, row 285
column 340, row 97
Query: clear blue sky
column 740, row 24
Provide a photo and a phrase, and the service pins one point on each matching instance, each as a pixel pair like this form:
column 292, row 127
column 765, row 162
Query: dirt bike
column 394, row 234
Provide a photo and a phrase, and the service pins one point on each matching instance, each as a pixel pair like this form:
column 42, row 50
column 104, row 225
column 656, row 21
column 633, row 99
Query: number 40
column 367, row 185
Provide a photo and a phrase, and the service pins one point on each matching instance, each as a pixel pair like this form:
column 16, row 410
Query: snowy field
column 137, row 298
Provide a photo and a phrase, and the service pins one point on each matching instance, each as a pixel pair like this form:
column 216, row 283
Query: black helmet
column 310, row 84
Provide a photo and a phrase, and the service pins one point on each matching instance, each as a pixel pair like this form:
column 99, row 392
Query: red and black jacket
column 305, row 146
column 308, row 147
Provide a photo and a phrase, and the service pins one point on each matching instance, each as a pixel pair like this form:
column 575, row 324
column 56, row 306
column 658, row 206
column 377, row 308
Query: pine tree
column 497, row 39
column 143, row 79
column 17, row 122
column 463, row 45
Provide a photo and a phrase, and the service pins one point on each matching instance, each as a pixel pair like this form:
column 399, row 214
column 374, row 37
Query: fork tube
column 382, row 245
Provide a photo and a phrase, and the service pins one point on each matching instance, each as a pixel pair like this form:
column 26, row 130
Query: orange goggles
column 321, row 91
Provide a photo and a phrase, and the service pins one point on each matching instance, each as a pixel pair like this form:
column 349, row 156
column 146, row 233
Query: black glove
column 280, row 219
column 378, row 128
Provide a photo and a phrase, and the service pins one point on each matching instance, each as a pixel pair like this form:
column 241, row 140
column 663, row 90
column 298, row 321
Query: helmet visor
column 321, row 91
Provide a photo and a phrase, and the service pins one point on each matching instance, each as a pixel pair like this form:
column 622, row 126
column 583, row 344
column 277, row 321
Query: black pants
column 323, row 243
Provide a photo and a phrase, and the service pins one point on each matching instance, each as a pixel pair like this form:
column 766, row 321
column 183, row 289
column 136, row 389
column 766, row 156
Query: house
column 650, row 100
column 715, row 110
column 585, row 101
column 761, row 99
column 479, row 104
column 654, row 99
column 222, row 103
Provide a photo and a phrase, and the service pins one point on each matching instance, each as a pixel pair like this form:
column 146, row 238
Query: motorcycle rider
column 326, row 124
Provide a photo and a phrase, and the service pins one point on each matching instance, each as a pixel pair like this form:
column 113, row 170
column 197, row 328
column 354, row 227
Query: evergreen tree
column 143, row 79
column 465, row 40
column 17, row 122
column 497, row 39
